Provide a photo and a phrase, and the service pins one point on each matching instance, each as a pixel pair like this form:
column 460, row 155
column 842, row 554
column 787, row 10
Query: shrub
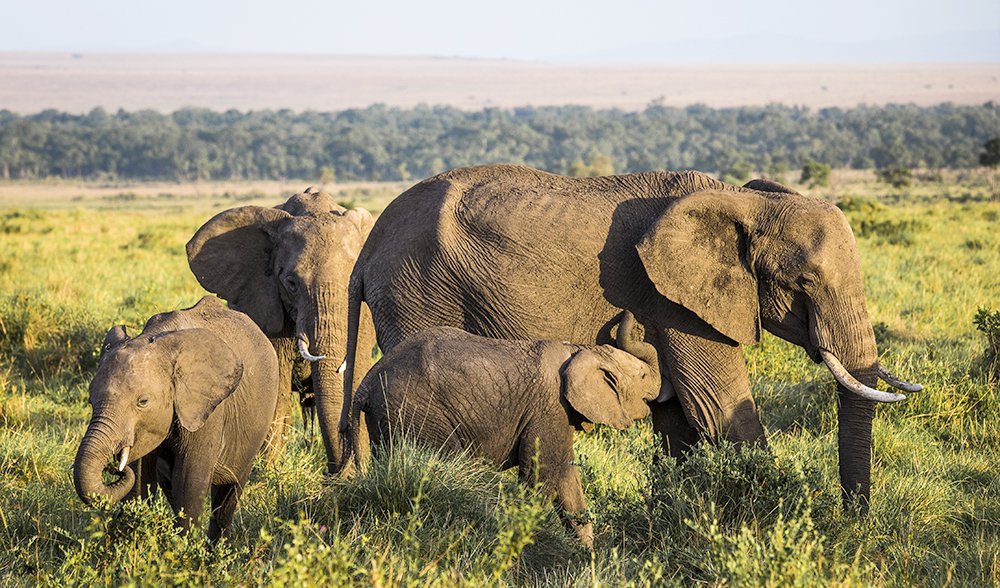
column 815, row 174
column 987, row 322
column 897, row 177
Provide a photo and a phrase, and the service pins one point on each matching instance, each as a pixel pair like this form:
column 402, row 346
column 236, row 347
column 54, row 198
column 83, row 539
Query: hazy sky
column 580, row 30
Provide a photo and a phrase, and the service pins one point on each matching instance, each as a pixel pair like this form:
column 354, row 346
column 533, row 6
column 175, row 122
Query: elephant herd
column 512, row 307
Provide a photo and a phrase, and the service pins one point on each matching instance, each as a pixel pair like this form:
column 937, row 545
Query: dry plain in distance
column 31, row 82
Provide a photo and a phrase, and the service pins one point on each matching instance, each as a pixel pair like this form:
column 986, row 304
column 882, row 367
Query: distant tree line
column 383, row 143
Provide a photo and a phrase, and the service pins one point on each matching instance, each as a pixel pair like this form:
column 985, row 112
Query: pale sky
column 643, row 31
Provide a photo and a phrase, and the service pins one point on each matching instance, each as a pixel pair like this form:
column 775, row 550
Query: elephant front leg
column 559, row 476
column 224, row 499
column 709, row 375
column 192, row 479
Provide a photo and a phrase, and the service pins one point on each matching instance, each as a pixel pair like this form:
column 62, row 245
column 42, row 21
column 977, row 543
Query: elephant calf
column 509, row 401
column 197, row 390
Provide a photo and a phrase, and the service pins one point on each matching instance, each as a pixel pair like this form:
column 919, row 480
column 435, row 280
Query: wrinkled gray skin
column 195, row 390
column 516, row 253
column 287, row 268
column 508, row 401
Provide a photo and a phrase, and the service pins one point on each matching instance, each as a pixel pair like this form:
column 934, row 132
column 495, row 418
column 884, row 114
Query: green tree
column 990, row 156
column 816, row 174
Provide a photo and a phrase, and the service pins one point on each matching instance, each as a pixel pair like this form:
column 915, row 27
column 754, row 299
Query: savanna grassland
column 931, row 259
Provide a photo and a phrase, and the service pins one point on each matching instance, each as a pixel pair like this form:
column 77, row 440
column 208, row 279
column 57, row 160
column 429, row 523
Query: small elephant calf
column 197, row 391
column 509, row 401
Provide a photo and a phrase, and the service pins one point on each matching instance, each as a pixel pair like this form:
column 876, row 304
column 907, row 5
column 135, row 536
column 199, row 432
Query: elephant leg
column 192, row 479
column 224, row 499
column 710, row 378
column 558, row 475
column 145, row 477
column 673, row 428
column 277, row 437
column 572, row 504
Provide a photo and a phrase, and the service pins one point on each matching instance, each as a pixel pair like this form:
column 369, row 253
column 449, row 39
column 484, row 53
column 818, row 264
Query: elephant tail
column 355, row 295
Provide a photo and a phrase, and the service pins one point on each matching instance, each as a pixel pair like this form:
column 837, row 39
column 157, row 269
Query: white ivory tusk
column 124, row 459
column 889, row 378
column 304, row 351
column 851, row 383
column 342, row 367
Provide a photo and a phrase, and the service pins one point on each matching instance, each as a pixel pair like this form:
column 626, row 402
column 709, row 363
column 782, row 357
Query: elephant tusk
column 889, row 378
column 342, row 367
column 124, row 459
column 851, row 383
column 304, row 351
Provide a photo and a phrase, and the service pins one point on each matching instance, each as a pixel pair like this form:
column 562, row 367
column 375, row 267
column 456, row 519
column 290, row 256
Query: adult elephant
column 287, row 268
column 513, row 252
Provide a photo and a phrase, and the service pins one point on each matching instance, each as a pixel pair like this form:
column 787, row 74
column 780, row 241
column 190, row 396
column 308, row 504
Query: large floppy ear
column 594, row 389
column 230, row 255
column 697, row 255
column 362, row 219
column 205, row 372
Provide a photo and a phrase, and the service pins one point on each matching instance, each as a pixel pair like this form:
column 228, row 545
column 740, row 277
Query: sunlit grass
column 724, row 516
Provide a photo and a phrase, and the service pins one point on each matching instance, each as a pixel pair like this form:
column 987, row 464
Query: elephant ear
column 230, row 255
column 769, row 186
column 362, row 219
column 115, row 337
column 593, row 387
column 697, row 255
column 206, row 371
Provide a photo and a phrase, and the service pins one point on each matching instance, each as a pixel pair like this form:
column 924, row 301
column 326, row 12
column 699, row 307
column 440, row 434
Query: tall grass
column 723, row 517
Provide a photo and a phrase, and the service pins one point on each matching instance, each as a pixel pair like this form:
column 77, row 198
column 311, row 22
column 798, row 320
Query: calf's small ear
column 591, row 387
column 116, row 336
column 206, row 371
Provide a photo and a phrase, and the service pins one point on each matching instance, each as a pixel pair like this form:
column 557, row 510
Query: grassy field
column 72, row 268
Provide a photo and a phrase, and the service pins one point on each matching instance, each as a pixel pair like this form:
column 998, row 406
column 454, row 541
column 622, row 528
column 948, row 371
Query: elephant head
column 141, row 386
column 288, row 269
column 772, row 259
column 612, row 386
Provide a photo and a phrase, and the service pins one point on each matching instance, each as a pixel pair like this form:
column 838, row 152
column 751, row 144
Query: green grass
column 749, row 518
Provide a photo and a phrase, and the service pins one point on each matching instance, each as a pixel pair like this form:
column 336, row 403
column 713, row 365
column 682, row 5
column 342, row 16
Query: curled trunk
column 96, row 451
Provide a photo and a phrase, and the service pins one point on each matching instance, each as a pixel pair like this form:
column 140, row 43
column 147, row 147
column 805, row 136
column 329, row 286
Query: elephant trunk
column 626, row 341
column 322, row 341
column 850, row 352
column 97, row 449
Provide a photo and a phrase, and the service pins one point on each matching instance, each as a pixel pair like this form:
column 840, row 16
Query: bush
column 815, row 174
column 897, row 177
column 987, row 322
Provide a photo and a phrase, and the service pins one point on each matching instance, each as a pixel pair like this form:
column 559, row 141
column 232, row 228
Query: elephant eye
column 142, row 402
column 291, row 286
